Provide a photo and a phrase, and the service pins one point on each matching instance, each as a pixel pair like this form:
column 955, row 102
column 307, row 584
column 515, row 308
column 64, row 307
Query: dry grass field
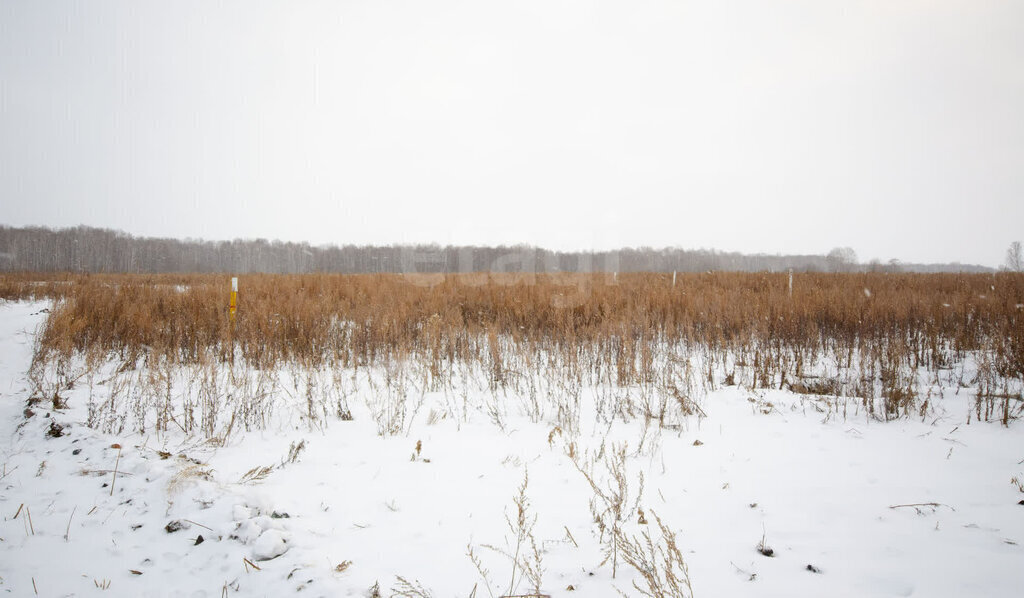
column 722, row 407
column 874, row 337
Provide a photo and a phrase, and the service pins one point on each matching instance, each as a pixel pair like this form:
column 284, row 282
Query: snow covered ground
column 849, row 506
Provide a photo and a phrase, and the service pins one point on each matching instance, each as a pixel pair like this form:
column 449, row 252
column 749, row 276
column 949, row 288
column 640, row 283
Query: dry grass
column 163, row 355
column 659, row 561
column 929, row 317
column 636, row 331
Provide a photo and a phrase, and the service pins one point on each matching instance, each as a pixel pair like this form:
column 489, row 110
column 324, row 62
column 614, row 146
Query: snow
column 271, row 543
column 919, row 506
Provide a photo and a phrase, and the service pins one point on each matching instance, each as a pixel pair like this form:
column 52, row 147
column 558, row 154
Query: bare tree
column 1014, row 259
column 842, row 259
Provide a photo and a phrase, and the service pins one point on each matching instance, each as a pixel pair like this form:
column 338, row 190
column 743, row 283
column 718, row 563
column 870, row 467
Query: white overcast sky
column 895, row 127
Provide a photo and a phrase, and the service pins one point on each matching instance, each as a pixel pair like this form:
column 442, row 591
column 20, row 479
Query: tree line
column 87, row 249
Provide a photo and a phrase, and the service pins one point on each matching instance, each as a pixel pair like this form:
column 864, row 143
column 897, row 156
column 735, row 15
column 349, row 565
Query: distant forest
column 86, row 249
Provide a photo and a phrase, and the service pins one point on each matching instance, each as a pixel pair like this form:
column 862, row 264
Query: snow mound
column 270, row 545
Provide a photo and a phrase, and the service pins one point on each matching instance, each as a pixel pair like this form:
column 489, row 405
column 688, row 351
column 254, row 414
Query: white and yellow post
column 233, row 306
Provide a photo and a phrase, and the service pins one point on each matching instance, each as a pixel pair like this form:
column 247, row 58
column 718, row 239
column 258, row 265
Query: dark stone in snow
column 76, row 451
column 813, row 569
column 199, row 540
